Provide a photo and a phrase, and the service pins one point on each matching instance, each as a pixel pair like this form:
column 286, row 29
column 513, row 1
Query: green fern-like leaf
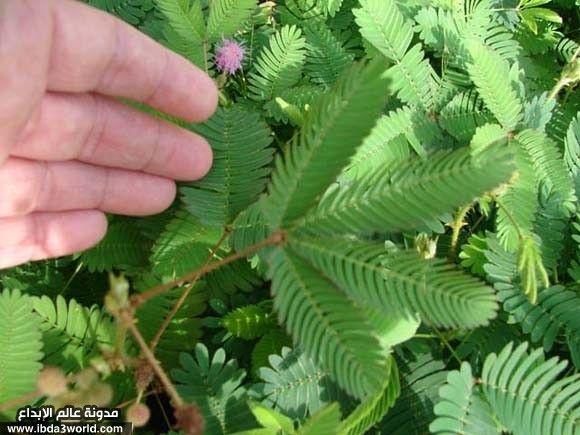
column 242, row 159
column 20, row 341
column 372, row 410
column 72, row 334
column 326, row 58
column 441, row 294
column 463, row 114
column 572, row 146
column 489, row 72
column 292, row 376
column 249, row 228
column 383, row 147
column 279, row 65
column 185, row 30
column 226, row 17
column 421, row 377
column 549, row 166
column 215, row 385
column 323, row 422
column 386, row 28
column 123, row 247
column 329, row 326
column 185, row 17
column 462, row 408
column 184, row 246
column 248, row 322
column 556, row 312
column 526, row 394
column 473, row 254
column 518, row 204
column 336, row 124
column 413, row 193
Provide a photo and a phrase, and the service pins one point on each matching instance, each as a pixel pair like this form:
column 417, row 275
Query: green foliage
column 228, row 16
column 279, row 65
column 248, row 322
column 489, row 72
column 462, row 408
column 214, row 384
column 519, row 385
column 414, row 192
column 372, row 410
column 185, row 30
column 123, row 247
column 327, row 324
column 291, row 378
column 183, row 332
column 336, row 124
column 241, row 164
column 72, row 334
column 21, row 344
column 401, row 282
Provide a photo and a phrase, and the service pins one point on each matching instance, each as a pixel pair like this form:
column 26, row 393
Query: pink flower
column 229, row 56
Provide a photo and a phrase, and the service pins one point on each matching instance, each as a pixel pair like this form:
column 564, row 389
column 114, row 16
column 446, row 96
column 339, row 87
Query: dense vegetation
column 388, row 242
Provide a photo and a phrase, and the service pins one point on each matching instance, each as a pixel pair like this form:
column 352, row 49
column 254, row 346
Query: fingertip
column 204, row 159
column 161, row 193
column 206, row 95
column 73, row 231
column 98, row 221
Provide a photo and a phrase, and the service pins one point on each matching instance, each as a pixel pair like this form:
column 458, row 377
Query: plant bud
column 138, row 414
column 52, row 382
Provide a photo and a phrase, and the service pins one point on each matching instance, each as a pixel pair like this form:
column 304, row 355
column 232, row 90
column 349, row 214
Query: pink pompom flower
column 229, row 56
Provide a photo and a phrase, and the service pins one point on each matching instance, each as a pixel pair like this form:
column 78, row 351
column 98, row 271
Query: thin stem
column 275, row 238
column 456, row 225
column 155, row 341
column 69, row 281
column 163, row 411
column 447, row 345
column 136, row 399
column 511, row 218
column 163, row 378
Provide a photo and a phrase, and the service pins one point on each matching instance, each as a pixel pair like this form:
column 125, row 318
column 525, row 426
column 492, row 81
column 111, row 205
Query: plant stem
column 447, row 345
column 456, row 225
column 148, row 354
column 155, row 341
column 275, row 238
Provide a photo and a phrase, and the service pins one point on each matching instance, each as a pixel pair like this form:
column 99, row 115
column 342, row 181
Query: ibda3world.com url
column 64, row 428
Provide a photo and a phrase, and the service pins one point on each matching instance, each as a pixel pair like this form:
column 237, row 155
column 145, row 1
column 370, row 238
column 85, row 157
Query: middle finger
column 101, row 131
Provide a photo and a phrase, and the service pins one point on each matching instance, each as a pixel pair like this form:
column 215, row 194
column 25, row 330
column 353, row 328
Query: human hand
column 68, row 150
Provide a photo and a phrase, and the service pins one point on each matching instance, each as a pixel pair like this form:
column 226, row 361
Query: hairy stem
column 128, row 321
column 456, row 225
column 155, row 341
column 275, row 238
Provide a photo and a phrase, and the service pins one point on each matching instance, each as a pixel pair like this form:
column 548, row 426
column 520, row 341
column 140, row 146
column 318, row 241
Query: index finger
column 94, row 51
